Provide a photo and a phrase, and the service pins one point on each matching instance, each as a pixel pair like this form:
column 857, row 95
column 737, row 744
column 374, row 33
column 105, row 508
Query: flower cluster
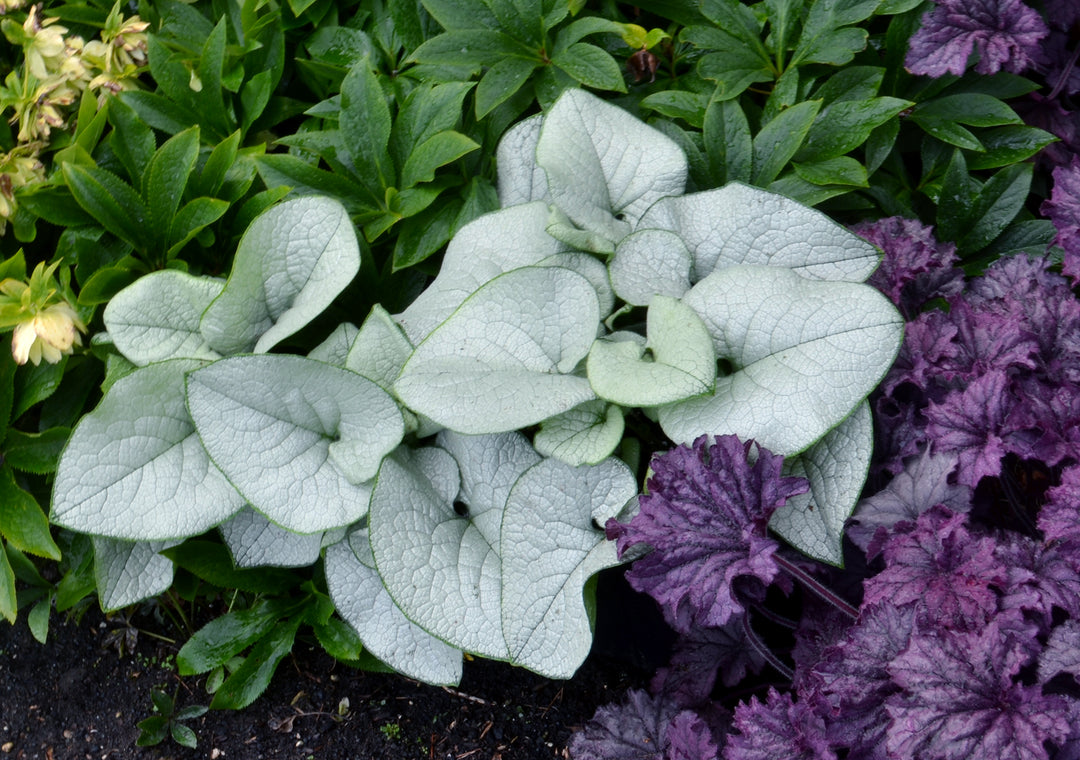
column 57, row 69
column 46, row 325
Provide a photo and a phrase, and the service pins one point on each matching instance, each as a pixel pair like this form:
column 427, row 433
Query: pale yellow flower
column 49, row 334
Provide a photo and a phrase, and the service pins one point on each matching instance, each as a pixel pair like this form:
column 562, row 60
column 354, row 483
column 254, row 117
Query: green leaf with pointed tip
column 157, row 317
column 127, row 572
column 134, row 468
column 501, row 361
column 22, row 523
column 363, row 601
column 836, row 467
column 292, row 262
column 251, row 679
column 781, row 139
column 226, row 636
column 805, row 354
column 682, row 362
column 298, row 438
column 739, row 224
column 440, row 149
column 586, row 434
column 111, row 201
column 550, row 547
column 166, row 176
column 604, row 167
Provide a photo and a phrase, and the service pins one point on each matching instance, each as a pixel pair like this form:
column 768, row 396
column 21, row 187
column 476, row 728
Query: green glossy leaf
column 250, row 680
column 780, row 139
column 592, row 66
column 9, row 605
column 166, row 176
column 365, row 126
column 38, row 453
column 111, row 202
column 439, row 150
column 226, row 636
column 501, row 81
column 191, row 219
column 1009, row 145
column 22, row 523
column 971, row 109
column 844, row 126
column 728, row 143
column 842, row 170
column 997, row 204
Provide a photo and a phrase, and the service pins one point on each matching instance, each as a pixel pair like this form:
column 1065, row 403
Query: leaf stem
column 815, row 587
column 758, row 646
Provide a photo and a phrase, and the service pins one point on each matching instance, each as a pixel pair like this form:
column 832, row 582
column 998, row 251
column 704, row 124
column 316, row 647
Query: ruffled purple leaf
column 1063, row 209
column 705, row 516
column 851, row 681
column 1005, row 34
column 961, row 700
column 923, row 484
column 777, row 728
column 1062, row 652
column 701, row 656
column 1059, row 518
column 1039, row 579
column 974, row 423
column 916, row 267
column 929, row 345
column 951, row 576
column 820, row 627
column 644, row 728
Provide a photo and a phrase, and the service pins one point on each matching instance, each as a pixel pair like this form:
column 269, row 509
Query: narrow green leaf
column 997, row 204
column 365, row 127
column 454, row 15
column 224, row 637
column 971, row 109
column 280, row 169
column 780, row 139
column 728, row 143
column 954, row 200
column 438, row 151
column 948, row 131
column 192, row 219
column 9, row 605
column 678, row 104
column 22, row 522
column 254, row 96
column 158, row 111
column 844, row 126
column 471, row 48
column 426, row 111
column 212, row 562
column 112, row 202
column 1009, row 144
column 339, row 640
column 132, row 140
column 592, row 66
column 842, row 170
column 501, row 81
column 166, row 177
column 106, row 283
column 251, row 679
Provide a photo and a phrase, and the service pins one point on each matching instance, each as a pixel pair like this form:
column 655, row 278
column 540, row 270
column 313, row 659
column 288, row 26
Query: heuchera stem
column 759, row 646
column 818, row 589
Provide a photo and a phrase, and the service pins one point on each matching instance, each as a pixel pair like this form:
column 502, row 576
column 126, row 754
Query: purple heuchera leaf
column 974, row 423
column 700, row 656
column 916, row 267
column 929, row 344
column 821, row 626
column 643, row 728
column 851, row 681
column 923, row 484
column 949, row 575
column 705, row 516
column 1062, row 652
column 777, row 728
column 1063, row 209
column 1039, row 578
column 1005, row 34
column 960, row 700
column 689, row 738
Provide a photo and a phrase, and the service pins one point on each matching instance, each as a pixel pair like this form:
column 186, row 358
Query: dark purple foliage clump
column 1005, row 34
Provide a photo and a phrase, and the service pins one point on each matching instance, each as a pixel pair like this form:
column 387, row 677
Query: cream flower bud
column 49, row 334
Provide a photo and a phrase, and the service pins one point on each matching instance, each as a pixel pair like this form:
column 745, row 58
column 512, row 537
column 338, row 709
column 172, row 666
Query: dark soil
column 79, row 697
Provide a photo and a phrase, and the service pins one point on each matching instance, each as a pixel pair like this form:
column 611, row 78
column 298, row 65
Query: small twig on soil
column 469, row 697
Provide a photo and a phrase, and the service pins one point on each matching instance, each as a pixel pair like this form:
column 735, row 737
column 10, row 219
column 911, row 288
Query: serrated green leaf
column 35, row 452
column 501, row 81
column 112, row 202
column 291, row 263
column 195, row 216
column 592, row 66
column 365, row 126
column 132, row 140
column 134, row 468
column 298, row 438
column 165, row 178
column 226, row 636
